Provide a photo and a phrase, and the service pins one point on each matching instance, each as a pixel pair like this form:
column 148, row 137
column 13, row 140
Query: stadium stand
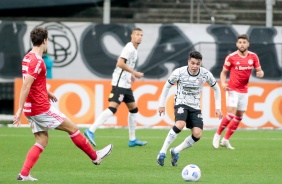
column 250, row 12
column 244, row 12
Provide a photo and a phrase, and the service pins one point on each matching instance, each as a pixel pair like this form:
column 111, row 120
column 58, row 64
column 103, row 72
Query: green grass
column 256, row 159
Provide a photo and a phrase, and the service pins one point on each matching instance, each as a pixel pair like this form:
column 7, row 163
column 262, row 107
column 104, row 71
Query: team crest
column 200, row 116
column 180, row 110
column 200, row 81
column 250, row 62
column 121, row 97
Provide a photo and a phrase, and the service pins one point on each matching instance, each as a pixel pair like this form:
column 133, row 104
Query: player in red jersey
column 240, row 64
column 35, row 104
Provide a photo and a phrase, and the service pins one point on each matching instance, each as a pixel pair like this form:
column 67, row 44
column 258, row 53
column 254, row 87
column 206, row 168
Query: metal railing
column 200, row 3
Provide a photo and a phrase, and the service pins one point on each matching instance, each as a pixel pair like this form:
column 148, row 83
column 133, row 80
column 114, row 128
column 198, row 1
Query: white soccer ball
column 191, row 172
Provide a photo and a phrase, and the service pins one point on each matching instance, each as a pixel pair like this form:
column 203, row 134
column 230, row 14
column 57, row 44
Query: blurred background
column 243, row 12
column 86, row 37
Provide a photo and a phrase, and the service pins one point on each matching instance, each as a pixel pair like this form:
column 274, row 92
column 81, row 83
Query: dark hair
column 243, row 36
column 37, row 35
column 196, row 55
column 137, row 29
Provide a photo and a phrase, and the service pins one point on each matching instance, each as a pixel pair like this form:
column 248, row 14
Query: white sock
column 224, row 140
column 101, row 119
column 132, row 125
column 187, row 143
column 169, row 139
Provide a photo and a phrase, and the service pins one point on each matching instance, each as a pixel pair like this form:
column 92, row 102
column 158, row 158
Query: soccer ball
column 191, row 172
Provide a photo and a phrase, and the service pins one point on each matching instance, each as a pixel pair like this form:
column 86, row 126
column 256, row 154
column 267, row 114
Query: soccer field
column 256, row 159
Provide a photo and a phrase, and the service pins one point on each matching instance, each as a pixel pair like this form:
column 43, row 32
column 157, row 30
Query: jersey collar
column 192, row 74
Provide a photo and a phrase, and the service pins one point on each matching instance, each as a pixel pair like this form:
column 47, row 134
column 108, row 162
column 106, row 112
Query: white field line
column 150, row 137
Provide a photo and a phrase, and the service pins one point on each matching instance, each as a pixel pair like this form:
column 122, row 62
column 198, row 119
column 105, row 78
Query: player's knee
column 176, row 130
column 134, row 110
column 114, row 110
column 196, row 137
column 42, row 142
column 196, row 134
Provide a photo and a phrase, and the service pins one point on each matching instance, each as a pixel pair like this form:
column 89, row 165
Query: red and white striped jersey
column 37, row 101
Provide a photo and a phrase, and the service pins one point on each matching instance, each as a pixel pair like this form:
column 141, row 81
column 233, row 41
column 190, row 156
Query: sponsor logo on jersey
column 243, row 68
column 111, row 95
column 126, row 54
column 237, row 63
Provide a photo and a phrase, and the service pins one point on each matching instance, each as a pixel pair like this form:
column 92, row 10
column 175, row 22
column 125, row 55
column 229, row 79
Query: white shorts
column 48, row 120
column 238, row 100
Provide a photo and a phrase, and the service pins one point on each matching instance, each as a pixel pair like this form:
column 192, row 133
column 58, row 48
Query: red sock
column 232, row 127
column 224, row 123
column 80, row 141
column 31, row 158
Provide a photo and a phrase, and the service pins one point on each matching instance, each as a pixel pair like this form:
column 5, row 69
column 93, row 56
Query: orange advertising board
column 83, row 100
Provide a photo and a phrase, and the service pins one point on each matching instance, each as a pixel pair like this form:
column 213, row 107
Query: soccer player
column 123, row 75
column 35, row 104
column 190, row 81
column 240, row 64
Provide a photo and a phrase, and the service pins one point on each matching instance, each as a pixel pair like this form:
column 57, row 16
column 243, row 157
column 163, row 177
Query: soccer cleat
column 160, row 159
column 174, row 157
column 226, row 143
column 90, row 136
column 101, row 154
column 215, row 141
column 136, row 142
column 26, row 178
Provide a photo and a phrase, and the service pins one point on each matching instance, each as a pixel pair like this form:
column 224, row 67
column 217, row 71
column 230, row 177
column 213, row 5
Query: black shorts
column 119, row 95
column 192, row 117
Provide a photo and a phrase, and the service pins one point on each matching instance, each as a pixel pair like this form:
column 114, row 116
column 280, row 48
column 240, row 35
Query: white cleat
column 26, row 178
column 101, row 154
column 226, row 143
column 215, row 141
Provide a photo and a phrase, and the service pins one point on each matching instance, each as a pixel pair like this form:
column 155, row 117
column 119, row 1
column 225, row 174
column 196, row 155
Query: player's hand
column 260, row 74
column 17, row 118
column 218, row 113
column 52, row 97
column 225, row 87
column 138, row 75
column 161, row 110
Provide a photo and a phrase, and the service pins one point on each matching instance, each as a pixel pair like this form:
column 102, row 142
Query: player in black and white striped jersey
column 190, row 81
column 123, row 75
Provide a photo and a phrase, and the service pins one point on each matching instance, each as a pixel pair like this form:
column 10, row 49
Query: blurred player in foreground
column 240, row 64
column 123, row 75
column 35, row 103
column 190, row 81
